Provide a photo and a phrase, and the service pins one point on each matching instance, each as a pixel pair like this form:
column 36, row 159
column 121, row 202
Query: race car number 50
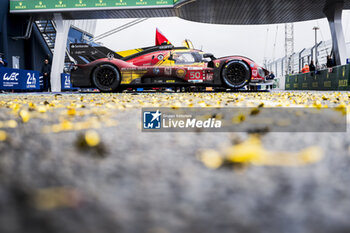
column 195, row 75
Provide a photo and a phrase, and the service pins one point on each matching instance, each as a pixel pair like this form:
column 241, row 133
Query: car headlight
column 261, row 72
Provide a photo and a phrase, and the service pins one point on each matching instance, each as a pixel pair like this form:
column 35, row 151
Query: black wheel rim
column 105, row 77
column 236, row 74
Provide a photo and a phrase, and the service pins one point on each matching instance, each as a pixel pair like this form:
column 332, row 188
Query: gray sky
column 254, row 41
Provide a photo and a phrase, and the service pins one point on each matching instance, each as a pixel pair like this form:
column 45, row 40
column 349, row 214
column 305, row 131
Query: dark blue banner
column 15, row 79
column 66, row 84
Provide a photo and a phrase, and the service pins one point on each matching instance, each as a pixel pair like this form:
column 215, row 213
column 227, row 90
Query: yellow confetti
column 252, row 152
column 66, row 125
column 12, row 124
column 317, row 104
column 41, row 109
column 31, row 105
column 246, row 152
column 3, row 135
column 341, row 108
column 311, row 155
column 24, row 116
column 92, row 138
column 57, row 197
column 211, row 158
column 239, row 119
column 71, row 112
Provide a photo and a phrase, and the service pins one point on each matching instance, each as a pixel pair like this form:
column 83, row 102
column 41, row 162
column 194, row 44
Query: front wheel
column 106, row 78
column 236, row 74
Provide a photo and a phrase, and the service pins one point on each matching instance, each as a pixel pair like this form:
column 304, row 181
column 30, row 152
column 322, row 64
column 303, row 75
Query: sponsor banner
column 251, row 120
column 66, row 84
column 49, row 5
column 336, row 78
column 15, row 79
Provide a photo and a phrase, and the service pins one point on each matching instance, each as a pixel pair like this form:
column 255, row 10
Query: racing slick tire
column 236, row 74
column 106, row 78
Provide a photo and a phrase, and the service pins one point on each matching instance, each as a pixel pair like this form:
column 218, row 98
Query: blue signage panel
column 66, row 84
column 15, row 79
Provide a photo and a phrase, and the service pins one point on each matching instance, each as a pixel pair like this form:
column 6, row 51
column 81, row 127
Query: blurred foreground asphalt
column 79, row 163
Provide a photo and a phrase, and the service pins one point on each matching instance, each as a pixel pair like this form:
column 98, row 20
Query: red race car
column 160, row 65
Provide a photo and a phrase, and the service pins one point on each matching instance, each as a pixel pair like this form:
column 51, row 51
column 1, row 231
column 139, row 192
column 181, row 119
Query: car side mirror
column 171, row 58
column 209, row 55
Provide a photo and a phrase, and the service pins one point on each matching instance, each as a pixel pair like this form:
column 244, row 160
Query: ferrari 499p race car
column 160, row 65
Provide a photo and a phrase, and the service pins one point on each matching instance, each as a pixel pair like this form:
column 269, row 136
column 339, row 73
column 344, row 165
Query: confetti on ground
column 80, row 161
column 252, row 152
column 90, row 111
column 55, row 198
column 3, row 135
column 92, row 138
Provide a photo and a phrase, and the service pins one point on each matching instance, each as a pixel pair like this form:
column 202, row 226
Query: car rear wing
column 85, row 53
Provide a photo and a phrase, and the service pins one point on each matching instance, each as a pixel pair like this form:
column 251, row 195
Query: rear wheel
column 236, row 74
column 106, row 78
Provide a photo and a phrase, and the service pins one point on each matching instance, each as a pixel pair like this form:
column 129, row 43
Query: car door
column 189, row 66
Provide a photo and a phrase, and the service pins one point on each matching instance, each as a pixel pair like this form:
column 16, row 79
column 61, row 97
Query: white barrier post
column 62, row 29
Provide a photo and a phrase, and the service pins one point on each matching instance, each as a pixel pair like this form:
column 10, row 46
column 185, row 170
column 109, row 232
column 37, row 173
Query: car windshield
column 189, row 57
column 183, row 58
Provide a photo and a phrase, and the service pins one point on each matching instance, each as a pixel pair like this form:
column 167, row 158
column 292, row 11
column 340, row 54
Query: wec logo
column 12, row 77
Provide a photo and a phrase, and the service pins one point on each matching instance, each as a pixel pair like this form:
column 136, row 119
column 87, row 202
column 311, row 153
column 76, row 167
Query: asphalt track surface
column 79, row 163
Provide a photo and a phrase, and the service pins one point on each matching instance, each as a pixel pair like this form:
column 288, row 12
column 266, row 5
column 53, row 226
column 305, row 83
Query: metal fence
column 298, row 59
column 336, row 78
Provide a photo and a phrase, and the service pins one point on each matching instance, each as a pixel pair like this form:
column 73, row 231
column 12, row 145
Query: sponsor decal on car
column 195, row 68
column 160, row 57
column 217, row 64
column 167, row 71
column 180, row 73
column 195, row 81
column 156, row 71
column 110, row 56
column 166, row 47
column 210, row 77
column 80, row 46
column 134, row 68
column 195, row 75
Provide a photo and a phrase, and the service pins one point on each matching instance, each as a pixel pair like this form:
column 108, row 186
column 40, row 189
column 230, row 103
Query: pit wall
column 336, row 78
